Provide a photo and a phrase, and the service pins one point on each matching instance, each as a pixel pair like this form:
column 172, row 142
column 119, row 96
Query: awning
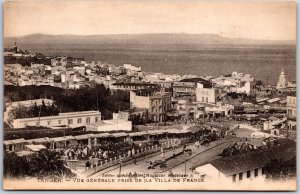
column 140, row 133
column 175, row 114
column 194, row 129
column 102, row 135
column 35, row 148
column 39, row 140
column 56, row 139
column 262, row 100
column 91, row 135
column 24, row 153
column 70, row 137
column 177, row 131
column 283, row 101
column 16, row 141
column 81, row 137
column 8, row 142
column 273, row 100
column 156, row 132
column 122, row 134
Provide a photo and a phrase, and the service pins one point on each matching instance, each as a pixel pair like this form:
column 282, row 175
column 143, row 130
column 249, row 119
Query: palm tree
column 48, row 163
column 15, row 166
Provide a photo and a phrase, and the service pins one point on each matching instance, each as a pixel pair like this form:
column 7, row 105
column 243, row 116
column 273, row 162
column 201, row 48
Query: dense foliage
column 43, row 164
column 281, row 170
column 33, row 111
column 88, row 98
column 48, row 163
column 14, row 166
column 26, row 61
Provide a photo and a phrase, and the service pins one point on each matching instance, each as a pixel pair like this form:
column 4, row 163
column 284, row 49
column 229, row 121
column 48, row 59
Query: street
column 176, row 165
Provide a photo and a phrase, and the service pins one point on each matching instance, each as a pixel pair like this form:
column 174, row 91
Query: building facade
column 157, row 104
column 282, row 81
column 206, row 95
column 291, row 112
column 188, row 87
column 132, row 86
column 70, row 119
column 212, row 173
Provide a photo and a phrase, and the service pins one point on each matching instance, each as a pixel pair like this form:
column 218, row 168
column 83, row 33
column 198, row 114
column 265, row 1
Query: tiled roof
column 257, row 159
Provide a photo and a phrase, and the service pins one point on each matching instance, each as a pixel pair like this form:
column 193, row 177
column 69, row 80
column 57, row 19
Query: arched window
column 88, row 120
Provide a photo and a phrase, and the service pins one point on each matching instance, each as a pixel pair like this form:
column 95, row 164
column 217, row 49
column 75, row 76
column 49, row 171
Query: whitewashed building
column 243, row 168
column 70, row 119
column 291, row 111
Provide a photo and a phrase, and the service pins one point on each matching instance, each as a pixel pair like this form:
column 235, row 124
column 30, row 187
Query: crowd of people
column 92, row 156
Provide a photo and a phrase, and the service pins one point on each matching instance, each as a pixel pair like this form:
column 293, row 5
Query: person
column 184, row 147
column 162, row 152
column 70, row 155
column 87, row 165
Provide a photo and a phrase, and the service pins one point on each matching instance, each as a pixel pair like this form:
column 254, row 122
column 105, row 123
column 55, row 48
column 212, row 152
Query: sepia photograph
column 149, row 95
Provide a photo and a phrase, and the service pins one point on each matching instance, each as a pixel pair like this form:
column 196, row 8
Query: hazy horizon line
column 158, row 33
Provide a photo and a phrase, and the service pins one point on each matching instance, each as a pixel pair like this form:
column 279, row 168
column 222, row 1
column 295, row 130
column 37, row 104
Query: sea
column 264, row 62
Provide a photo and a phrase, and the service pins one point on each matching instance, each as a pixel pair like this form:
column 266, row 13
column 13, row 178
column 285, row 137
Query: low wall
column 149, row 128
column 98, row 166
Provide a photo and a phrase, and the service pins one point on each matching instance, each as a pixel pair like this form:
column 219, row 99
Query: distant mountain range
column 151, row 39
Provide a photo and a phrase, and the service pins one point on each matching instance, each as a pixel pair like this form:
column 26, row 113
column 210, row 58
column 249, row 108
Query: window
column 256, row 172
column 241, row 176
column 70, row 121
column 49, row 122
column 263, row 171
column 96, row 119
column 206, row 99
column 234, row 178
column 79, row 120
column 248, row 174
column 59, row 122
column 202, row 99
column 88, row 120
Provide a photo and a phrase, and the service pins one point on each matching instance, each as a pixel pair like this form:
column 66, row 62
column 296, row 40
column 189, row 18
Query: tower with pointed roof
column 15, row 48
column 282, row 82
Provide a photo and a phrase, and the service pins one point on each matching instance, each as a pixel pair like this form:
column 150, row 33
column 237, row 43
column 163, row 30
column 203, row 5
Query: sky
column 267, row 20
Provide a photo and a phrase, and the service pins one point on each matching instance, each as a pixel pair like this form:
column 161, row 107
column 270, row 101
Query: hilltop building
column 282, row 82
column 187, row 87
column 244, row 168
column 291, row 111
column 156, row 104
column 70, row 119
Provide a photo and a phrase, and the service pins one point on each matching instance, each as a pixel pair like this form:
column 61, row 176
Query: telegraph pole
column 120, row 167
column 184, row 164
column 40, row 116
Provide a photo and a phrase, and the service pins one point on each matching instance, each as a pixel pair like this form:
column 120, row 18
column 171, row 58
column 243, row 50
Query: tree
column 15, row 167
column 17, row 113
column 48, row 163
column 259, row 83
column 95, row 97
column 281, row 170
column 34, row 110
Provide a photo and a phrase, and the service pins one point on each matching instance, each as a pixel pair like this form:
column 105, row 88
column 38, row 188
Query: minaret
column 15, row 48
column 282, row 82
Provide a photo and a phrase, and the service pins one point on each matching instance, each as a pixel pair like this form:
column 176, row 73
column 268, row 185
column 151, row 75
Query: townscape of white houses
column 165, row 106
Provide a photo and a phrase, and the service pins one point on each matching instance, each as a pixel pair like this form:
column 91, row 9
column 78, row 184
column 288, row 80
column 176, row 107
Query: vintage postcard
column 149, row 95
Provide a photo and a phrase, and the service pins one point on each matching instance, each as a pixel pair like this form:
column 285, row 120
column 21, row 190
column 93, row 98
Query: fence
column 98, row 165
column 149, row 128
